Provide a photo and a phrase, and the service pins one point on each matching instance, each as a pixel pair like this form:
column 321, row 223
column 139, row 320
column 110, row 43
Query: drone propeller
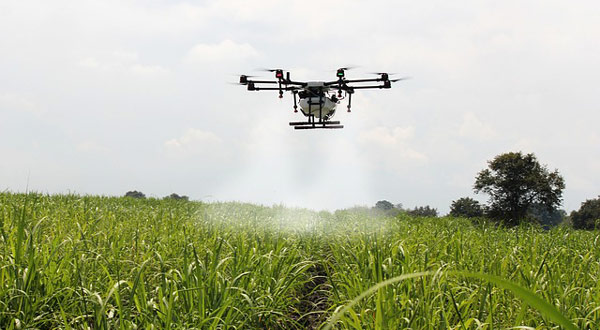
column 239, row 83
column 382, row 73
column 403, row 78
column 269, row 70
column 341, row 72
column 278, row 72
column 385, row 75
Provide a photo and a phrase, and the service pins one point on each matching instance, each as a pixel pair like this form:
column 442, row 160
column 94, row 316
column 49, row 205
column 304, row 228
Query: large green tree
column 516, row 181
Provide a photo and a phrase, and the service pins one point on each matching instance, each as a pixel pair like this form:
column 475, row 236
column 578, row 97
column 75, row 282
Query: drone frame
column 341, row 84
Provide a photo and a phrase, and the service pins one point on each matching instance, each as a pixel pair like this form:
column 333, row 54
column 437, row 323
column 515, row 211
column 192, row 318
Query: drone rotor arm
column 364, row 80
column 282, row 81
column 372, row 86
column 297, row 83
column 335, row 82
column 275, row 88
column 262, row 81
column 345, row 82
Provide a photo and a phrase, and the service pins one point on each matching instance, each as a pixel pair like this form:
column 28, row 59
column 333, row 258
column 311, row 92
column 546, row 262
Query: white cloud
column 226, row 50
column 15, row 102
column 390, row 144
column 148, row 69
column 91, row 63
column 242, row 10
column 195, row 141
column 89, row 146
column 125, row 56
column 386, row 136
column 526, row 144
column 472, row 127
column 122, row 61
column 487, row 79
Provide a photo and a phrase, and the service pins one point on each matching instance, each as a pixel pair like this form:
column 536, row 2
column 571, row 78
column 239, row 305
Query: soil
column 312, row 308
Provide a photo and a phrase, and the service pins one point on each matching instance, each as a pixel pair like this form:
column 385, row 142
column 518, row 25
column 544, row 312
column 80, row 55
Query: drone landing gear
column 329, row 125
column 311, row 124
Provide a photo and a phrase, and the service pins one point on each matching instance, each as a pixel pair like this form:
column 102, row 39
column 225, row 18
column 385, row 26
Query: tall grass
column 87, row 262
column 561, row 266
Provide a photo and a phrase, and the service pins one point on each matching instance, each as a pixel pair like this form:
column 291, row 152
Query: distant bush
column 588, row 215
column 466, row 207
column 363, row 211
column 177, row 197
column 384, row 205
column 135, row 194
column 387, row 208
column 545, row 216
column 423, row 211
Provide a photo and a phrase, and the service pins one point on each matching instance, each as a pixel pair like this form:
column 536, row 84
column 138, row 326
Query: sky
column 103, row 97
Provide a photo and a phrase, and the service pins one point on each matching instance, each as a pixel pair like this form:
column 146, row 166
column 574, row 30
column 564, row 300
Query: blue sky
column 102, row 97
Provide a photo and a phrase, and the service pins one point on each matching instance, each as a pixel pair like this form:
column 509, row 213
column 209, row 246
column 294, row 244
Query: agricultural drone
column 317, row 99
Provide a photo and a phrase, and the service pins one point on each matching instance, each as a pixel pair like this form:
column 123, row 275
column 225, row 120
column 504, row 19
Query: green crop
column 86, row 262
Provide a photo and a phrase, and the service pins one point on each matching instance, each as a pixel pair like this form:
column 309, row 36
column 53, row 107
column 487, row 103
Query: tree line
column 519, row 189
column 141, row 195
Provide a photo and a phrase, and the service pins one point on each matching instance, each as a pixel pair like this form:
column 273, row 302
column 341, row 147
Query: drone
column 317, row 99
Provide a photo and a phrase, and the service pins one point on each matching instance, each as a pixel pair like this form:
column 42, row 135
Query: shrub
column 588, row 215
column 423, row 211
column 135, row 194
column 384, row 205
column 466, row 207
column 547, row 218
column 177, row 197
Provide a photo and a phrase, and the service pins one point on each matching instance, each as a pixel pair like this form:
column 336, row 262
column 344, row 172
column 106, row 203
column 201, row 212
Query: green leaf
column 527, row 296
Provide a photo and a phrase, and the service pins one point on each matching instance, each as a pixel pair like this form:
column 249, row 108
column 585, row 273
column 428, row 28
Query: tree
column 588, row 215
column 177, row 197
column 135, row 194
column 425, row 211
column 466, row 207
column 515, row 182
column 384, row 205
column 544, row 216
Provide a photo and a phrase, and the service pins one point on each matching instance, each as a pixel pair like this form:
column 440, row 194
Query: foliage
column 531, row 298
column 386, row 208
column 547, row 218
column 466, row 207
column 88, row 262
column 175, row 196
column 423, row 211
column 514, row 182
column 588, row 215
column 384, row 205
column 135, row 194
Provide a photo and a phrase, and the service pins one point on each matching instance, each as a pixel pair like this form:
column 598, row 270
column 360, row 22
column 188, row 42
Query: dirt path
column 315, row 301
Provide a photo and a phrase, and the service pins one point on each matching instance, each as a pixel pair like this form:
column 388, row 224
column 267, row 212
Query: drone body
column 317, row 99
column 314, row 101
